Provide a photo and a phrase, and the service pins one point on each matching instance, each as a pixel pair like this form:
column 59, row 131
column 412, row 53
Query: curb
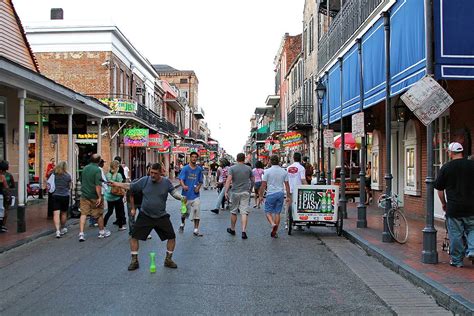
column 23, row 241
column 443, row 296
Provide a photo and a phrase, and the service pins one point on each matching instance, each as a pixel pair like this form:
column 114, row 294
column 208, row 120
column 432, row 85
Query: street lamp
column 320, row 92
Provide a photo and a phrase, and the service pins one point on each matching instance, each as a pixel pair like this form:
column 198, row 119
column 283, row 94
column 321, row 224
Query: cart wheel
column 339, row 223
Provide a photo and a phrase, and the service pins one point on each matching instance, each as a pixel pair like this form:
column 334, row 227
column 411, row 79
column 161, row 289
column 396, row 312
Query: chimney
column 57, row 14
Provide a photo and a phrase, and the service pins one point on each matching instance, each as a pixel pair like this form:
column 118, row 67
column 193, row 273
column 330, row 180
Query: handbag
column 51, row 183
column 117, row 190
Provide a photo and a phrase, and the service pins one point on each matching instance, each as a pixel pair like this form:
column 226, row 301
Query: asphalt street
column 217, row 274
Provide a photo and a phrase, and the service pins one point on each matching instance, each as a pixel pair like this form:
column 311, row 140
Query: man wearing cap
column 455, row 178
column 191, row 180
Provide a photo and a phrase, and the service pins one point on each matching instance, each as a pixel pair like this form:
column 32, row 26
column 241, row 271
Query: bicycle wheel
column 399, row 231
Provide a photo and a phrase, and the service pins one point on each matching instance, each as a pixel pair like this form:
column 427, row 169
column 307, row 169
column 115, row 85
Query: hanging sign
column 159, row 142
column 272, row 145
column 291, row 139
column 121, row 106
column 135, row 137
column 179, row 150
column 427, row 100
column 358, row 127
column 213, row 147
column 328, row 138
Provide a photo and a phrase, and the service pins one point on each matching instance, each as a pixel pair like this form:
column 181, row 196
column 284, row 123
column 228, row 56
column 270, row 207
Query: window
column 121, row 84
column 183, row 80
column 376, row 176
column 127, row 86
column 311, row 35
column 441, row 140
column 114, row 81
column 412, row 160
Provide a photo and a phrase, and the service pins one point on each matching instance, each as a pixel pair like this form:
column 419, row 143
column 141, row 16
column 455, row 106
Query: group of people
column 276, row 184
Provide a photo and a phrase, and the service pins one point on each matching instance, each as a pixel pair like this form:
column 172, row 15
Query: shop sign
column 328, row 138
column 121, row 106
column 291, row 139
column 179, row 150
column 159, row 142
column 87, row 136
column 213, row 147
column 135, row 137
column 358, row 128
column 272, row 145
column 427, row 100
column 58, row 124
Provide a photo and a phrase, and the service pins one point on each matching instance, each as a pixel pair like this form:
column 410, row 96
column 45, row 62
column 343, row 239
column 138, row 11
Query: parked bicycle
column 399, row 229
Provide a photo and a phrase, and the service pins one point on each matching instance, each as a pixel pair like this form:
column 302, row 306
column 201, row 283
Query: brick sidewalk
column 452, row 287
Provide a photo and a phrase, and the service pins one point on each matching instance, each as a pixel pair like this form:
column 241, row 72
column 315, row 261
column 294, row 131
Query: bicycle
column 399, row 229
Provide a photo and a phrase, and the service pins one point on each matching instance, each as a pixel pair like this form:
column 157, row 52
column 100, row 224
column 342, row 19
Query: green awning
column 264, row 129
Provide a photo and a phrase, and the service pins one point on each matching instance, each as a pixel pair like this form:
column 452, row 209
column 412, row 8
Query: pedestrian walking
column 4, row 196
column 8, row 197
column 241, row 177
column 61, row 197
column 49, row 170
column 191, row 180
column 257, row 175
column 455, row 179
column 368, row 183
column 275, row 181
column 308, row 169
column 296, row 176
column 114, row 197
column 91, row 202
column 222, row 173
column 153, row 215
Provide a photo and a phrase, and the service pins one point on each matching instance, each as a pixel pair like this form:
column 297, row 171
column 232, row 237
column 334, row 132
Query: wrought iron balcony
column 276, row 127
column 300, row 117
column 352, row 15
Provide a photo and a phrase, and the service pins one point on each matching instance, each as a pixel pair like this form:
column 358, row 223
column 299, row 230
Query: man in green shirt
column 92, row 203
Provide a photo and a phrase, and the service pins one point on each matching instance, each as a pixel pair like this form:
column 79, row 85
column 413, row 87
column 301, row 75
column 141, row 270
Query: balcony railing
column 276, row 127
column 353, row 14
column 300, row 117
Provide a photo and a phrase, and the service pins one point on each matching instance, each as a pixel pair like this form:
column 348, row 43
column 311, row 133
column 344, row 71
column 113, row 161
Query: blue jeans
column 220, row 198
column 457, row 228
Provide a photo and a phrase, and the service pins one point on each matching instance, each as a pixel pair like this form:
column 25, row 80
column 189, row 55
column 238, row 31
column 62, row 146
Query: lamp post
column 320, row 92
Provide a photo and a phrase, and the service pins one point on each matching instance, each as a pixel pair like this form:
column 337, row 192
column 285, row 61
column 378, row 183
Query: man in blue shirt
column 191, row 180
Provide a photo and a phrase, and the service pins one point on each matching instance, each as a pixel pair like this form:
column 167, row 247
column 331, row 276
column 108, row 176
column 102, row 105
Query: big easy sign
column 291, row 139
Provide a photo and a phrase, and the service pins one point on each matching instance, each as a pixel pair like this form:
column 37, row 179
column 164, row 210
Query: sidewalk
column 37, row 225
column 452, row 287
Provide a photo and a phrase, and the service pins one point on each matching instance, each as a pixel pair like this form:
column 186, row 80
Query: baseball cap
column 455, row 147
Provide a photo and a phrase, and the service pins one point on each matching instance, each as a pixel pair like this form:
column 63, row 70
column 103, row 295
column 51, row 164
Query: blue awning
column 351, row 82
column 454, row 43
column 373, row 58
column 334, row 92
column 407, row 42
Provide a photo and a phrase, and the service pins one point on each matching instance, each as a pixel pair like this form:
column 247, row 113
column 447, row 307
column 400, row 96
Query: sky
column 230, row 44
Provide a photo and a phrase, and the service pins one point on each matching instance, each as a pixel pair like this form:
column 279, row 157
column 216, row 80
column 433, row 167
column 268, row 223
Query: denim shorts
column 274, row 202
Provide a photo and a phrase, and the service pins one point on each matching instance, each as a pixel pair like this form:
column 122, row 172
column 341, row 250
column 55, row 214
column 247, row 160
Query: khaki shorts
column 87, row 207
column 240, row 202
column 194, row 209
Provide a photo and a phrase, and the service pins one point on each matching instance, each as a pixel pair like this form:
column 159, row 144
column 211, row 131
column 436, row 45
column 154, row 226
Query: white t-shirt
column 275, row 178
column 296, row 173
column 126, row 171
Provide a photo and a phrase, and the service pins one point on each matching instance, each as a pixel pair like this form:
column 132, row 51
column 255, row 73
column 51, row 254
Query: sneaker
column 181, row 228
column 457, row 265
column 244, row 235
column 148, row 237
column 58, row 234
column 122, row 228
column 215, row 211
column 64, row 231
column 96, row 225
column 230, row 231
column 104, row 234
column 255, row 206
column 4, row 229
column 81, row 237
column 470, row 255
column 197, row 233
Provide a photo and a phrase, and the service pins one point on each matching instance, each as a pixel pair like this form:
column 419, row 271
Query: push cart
column 315, row 205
